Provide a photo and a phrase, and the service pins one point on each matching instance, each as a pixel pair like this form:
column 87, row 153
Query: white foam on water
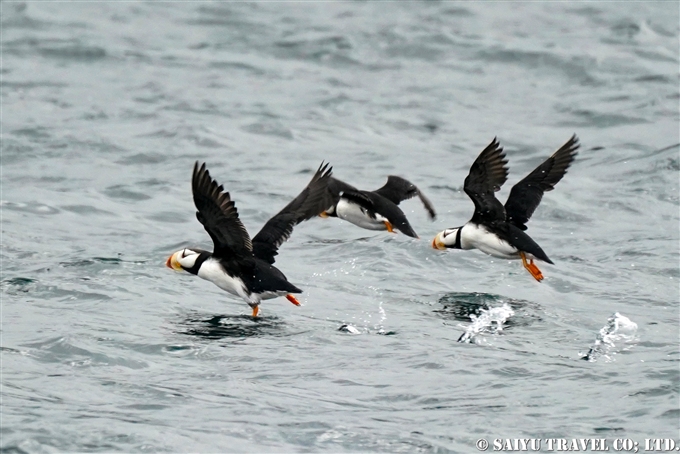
column 489, row 321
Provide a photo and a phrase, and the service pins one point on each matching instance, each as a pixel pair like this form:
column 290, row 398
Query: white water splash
column 379, row 327
column 489, row 321
column 615, row 336
column 347, row 328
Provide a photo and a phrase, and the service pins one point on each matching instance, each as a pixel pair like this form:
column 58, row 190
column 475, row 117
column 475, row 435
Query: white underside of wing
column 351, row 212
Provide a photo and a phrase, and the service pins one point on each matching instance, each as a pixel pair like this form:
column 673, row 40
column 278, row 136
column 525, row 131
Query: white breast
column 475, row 236
column 357, row 215
column 212, row 271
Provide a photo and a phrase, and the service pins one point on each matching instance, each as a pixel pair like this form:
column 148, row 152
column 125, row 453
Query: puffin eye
column 184, row 253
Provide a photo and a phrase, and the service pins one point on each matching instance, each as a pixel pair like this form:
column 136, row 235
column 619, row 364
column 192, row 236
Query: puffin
column 499, row 230
column 238, row 264
column 376, row 210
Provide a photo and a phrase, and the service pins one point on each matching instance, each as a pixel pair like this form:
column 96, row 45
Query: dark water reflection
column 460, row 306
column 230, row 326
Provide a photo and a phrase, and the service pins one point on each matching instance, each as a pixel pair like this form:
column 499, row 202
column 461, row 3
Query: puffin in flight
column 376, row 210
column 497, row 230
column 239, row 265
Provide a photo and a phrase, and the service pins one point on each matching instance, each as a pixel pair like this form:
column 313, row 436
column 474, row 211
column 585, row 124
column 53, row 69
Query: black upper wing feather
column 361, row 198
column 219, row 216
column 337, row 187
column 527, row 194
column 277, row 230
column 398, row 189
column 487, row 175
column 314, row 199
column 312, row 195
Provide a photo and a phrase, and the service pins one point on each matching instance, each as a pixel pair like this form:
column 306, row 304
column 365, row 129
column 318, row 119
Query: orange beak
column 172, row 262
column 436, row 244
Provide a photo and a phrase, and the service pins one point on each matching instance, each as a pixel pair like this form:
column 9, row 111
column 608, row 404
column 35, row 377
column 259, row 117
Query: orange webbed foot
column 256, row 310
column 531, row 267
column 292, row 299
column 388, row 226
column 535, row 272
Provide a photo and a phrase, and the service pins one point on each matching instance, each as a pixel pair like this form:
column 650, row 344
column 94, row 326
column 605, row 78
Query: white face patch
column 186, row 258
column 351, row 212
column 448, row 237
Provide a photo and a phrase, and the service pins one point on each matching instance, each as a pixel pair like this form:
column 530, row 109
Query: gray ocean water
column 105, row 108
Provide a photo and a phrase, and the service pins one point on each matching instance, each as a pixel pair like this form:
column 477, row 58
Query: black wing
column 398, row 189
column 527, row 194
column 361, row 198
column 314, row 199
column 218, row 214
column 487, row 175
column 337, row 187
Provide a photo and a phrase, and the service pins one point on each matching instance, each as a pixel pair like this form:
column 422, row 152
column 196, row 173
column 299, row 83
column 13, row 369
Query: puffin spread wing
column 487, row 175
column 218, row 214
column 398, row 189
column 314, row 199
column 527, row 194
